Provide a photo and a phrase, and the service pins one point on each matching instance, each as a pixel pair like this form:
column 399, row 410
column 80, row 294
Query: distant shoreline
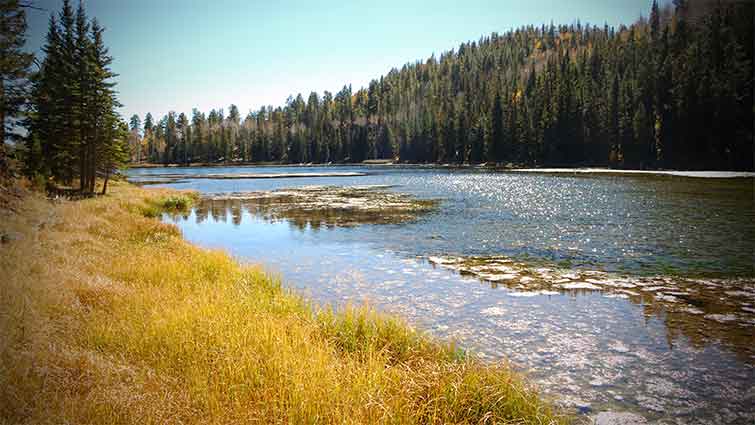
column 544, row 170
column 615, row 171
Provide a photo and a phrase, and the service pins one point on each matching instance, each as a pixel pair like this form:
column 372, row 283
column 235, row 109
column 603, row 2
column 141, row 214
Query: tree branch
column 31, row 6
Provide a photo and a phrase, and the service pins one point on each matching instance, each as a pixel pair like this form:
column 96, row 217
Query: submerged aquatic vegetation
column 324, row 205
column 109, row 316
column 701, row 308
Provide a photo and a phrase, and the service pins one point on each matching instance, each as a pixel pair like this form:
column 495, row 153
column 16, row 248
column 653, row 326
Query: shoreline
column 718, row 174
column 614, row 171
column 255, row 176
column 123, row 320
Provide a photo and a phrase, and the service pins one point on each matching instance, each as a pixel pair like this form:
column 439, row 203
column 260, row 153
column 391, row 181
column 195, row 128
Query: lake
column 610, row 292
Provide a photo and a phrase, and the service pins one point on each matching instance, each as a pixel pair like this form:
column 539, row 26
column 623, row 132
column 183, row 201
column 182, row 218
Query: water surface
column 688, row 358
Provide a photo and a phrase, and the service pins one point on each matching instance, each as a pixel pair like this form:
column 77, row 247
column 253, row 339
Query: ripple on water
column 536, row 219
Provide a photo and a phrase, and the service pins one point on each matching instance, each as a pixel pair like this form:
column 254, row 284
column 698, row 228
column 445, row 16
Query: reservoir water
column 610, row 292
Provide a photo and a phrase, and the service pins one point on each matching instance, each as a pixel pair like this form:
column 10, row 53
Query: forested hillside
column 670, row 91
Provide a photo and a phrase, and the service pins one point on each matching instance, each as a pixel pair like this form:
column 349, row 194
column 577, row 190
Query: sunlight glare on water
column 657, row 341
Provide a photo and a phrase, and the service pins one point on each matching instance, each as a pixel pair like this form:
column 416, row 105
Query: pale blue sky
column 180, row 54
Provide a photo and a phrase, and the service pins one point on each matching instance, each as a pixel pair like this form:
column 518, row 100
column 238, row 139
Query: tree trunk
column 104, row 186
column 93, row 161
column 2, row 125
column 82, row 168
column 92, row 171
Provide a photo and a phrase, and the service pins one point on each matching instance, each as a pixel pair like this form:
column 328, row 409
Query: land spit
column 325, row 205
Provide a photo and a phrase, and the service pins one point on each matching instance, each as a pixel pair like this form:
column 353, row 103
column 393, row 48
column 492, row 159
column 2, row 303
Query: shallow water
column 681, row 350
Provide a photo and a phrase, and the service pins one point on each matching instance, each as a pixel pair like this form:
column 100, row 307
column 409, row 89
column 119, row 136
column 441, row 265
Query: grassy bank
column 109, row 316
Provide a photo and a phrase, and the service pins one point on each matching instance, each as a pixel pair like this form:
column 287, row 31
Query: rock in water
column 619, row 418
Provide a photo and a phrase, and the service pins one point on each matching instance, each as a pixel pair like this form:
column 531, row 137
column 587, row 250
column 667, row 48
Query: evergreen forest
column 673, row 90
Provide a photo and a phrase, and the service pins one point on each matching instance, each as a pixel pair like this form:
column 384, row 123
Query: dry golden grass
column 109, row 316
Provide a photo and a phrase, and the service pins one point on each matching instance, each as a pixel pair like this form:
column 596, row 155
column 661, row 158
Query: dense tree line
column 74, row 131
column 673, row 90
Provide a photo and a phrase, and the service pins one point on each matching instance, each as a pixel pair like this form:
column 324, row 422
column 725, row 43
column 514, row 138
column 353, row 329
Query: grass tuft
column 153, row 207
column 177, row 202
column 109, row 316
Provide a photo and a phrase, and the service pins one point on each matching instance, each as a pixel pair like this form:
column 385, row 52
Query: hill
column 670, row 91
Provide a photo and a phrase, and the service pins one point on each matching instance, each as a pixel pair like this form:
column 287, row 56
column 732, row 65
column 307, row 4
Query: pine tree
column 135, row 140
column 148, row 122
column 69, row 91
column 74, row 129
column 114, row 153
column 496, row 131
column 184, row 134
column 85, row 96
column 104, row 103
column 45, row 121
column 14, row 72
column 654, row 21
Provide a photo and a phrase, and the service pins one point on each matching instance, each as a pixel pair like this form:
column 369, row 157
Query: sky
column 176, row 55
